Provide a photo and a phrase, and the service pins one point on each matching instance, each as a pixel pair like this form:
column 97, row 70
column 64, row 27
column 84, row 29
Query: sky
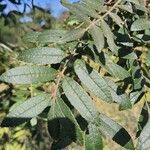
column 54, row 5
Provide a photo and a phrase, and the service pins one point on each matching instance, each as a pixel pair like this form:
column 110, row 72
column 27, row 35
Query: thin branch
column 102, row 17
column 80, row 25
column 6, row 47
column 60, row 77
column 61, row 74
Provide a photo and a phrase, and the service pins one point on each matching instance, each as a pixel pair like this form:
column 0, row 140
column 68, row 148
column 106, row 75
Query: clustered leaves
column 113, row 35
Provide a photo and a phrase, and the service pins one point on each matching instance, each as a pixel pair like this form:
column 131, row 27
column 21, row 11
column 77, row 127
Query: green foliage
column 29, row 74
column 30, row 108
column 94, row 82
column 98, row 37
column 140, row 24
column 93, row 140
column 43, row 55
column 79, row 99
column 115, row 37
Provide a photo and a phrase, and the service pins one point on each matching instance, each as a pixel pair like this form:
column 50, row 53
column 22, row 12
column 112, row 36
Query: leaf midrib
column 81, row 99
column 94, row 80
column 30, row 107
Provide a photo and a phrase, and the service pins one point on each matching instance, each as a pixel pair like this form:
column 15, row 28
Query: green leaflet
column 74, row 8
column 79, row 99
column 31, row 37
column 148, row 58
column 93, row 81
column 93, row 140
column 60, row 36
column 109, row 36
column 61, row 110
column 136, row 75
column 134, row 1
column 121, row 98
column 31, row 107
column 28, row 75
column 51, row 36
column 86, row 9
column 98, row 37
column 127, row 7
column 141, row 7
column 72, row 35
column 117, row 71
column 114, row 69
column 96, row 4
column 144, row 138
column 116, row 18
column 140, row 24
column 115, row 131
column 135, row 96
column 142, row 38
column 42, row 55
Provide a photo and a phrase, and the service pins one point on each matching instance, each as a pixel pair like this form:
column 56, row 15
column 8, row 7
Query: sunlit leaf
column 93, row 140
column 144, row 138
column 31, row 107
column 127, row 7
column 28, row 75
column 93, row 81
column 60, row 36
column 134, row 1
column 98, row 37
column 109, row 36
column 96, row 4
column 74, row 9
column 118, row 95
column 140, row 24
column 79, row 99
column 116, row 18
column 115, row 131
column 31, row 37
column 42, row 55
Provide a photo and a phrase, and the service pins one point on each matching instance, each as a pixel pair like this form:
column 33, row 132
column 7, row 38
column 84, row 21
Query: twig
column 61, row 74
column 79, row 25
column 55, row 89
column 102, row 17
column 60, row 77
column 5, row 46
